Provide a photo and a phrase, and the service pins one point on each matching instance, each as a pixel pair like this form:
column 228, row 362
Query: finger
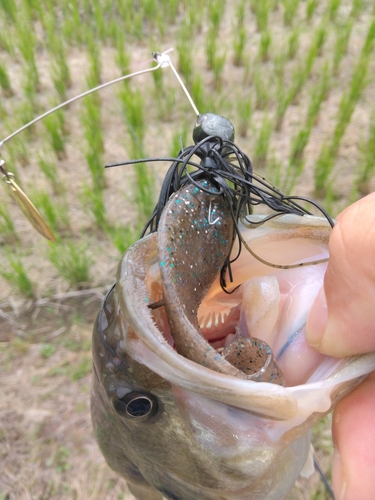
column 354, row 437
column 342, row 319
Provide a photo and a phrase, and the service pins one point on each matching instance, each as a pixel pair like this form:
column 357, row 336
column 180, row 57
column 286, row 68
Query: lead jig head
column 210, row 124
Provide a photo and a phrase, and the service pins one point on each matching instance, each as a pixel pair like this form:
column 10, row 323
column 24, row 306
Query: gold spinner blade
column 28, row 208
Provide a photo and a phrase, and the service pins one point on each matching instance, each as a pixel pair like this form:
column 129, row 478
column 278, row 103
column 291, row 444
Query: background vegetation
column 296, row 78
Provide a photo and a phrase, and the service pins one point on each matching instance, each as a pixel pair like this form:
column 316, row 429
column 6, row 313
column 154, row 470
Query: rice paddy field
column 297, row 80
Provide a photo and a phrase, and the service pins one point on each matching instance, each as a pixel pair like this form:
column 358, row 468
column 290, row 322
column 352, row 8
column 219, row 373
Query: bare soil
column 47, row 448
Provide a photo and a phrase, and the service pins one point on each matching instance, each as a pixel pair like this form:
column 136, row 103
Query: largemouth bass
column 203, row 394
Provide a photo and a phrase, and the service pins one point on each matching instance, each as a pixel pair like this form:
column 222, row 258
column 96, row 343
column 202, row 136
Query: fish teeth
column 218, row 319
column 208, row 320
column 212, row 319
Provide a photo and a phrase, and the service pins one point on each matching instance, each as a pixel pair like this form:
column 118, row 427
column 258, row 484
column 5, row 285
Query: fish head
column 163, row 436
column 198, row 393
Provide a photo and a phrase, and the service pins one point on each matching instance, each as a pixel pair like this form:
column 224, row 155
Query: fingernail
column 317, row 320
column 339, row 482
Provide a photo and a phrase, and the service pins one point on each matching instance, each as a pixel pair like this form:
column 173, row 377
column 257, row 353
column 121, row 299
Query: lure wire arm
column 159, row 58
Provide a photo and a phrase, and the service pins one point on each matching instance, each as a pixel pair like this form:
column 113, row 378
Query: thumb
column 342, row 319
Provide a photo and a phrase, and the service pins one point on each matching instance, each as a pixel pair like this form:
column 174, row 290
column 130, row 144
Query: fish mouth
column 232, row 329
column 144, row 333
column 260, row 347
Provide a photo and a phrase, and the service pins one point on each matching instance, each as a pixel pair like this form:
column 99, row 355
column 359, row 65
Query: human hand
column 342, row 323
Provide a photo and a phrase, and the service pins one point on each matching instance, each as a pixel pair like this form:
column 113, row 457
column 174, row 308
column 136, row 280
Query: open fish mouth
column 182, row 325
column 248, row 333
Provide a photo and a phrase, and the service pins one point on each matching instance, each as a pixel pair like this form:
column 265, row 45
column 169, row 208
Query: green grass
column 350, row 98
column 122, row 237
column 72, row 262
column 92, row 200
column 93, row 131
column 5, row 80
column 211, row 48
column 318, row 94
column 343, row 32
column 93, row 77
column 239, row 35
column 290, row 10
column 293, row 43
column 357, row 7
column 54, row 211
column 7, row 230
column 27, row 45
column 262, row 92
column 283, row 99
column 83, row 368
column 292, row 66
column 47, row 350
column 265, row 46
column 55, row 128
column 245, row 111
column 48, row 167
column 122, row 55
column 311, row 6
column 15, row 273
column 262, row 143
column 261, row 12
column 60, row 71
column 9, row 8
column 215, row 13
column 332, row 8
column 179, row 139
column 198, row 93
column 185, row 55
column 366, row 168
column 132, row 105
column 300, row 140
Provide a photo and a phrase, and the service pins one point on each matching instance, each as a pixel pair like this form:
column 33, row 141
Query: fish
column 204, row 386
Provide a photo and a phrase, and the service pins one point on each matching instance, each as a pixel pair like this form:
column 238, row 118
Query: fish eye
column 136, row 406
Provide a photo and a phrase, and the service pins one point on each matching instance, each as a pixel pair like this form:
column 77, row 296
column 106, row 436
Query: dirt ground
column 47, row 448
